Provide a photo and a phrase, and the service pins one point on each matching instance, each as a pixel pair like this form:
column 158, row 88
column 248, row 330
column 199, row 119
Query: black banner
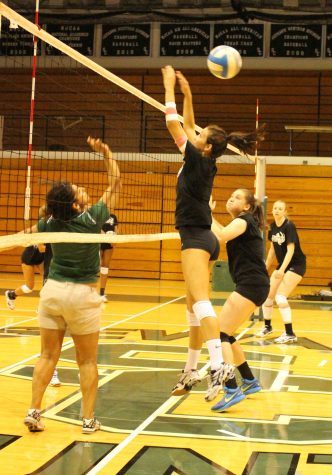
column 79, row 37
column 328, row 53
column 16, row 42
column 247, row 39
column 184, row 40
column 296, row 41
column 126, row 40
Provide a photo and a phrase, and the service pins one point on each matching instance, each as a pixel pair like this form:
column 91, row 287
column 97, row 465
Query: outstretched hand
column 169, row 76
column 183, row 83
column 98, row 146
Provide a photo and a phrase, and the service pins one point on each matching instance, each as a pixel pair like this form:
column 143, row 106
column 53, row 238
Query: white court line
column 279, row 381
column 323, row 362
column 18, row 323
column 163, row 408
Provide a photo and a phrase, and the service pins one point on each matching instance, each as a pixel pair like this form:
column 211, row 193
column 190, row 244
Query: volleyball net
column 73, row 98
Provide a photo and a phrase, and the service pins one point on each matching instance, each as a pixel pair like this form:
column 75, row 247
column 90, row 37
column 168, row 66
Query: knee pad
column 224, row 338
column 281, row 301
column 204, row 309
column 268, row 302
column 192, row 319
column 232, row 339
column 104, row 270
column 26, row 289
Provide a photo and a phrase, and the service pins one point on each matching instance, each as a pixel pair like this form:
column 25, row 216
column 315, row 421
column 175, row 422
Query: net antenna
column 27, row 195
column 38, row 32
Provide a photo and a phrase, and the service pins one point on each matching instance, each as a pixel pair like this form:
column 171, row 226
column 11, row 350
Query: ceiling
column 124, row 11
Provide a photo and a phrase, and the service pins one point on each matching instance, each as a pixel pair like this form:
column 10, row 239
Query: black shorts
column 32, row 257
column 105, row 245
column 255, row 293
column 297, row 269
column 200, row 238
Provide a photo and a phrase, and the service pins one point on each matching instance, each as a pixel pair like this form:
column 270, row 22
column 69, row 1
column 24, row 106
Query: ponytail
column 246, row 143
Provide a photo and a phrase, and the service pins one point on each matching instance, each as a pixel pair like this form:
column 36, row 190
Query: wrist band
column 171, row 112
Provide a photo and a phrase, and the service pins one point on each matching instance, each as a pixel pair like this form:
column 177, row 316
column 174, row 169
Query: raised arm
column 111, row 195
column 172, row 122
column 188, row 109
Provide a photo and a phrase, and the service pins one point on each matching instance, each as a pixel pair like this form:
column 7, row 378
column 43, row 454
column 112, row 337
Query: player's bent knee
column 224, row 338
column 281, row 301
column 204, row 309
column 104, row 270
column 268, row 302
column 25, row 289
column 192, row 319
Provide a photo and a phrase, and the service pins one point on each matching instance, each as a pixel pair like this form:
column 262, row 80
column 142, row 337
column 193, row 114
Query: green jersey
column 76, row 262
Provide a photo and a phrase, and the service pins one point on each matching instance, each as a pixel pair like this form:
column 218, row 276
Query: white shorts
column 67, row 304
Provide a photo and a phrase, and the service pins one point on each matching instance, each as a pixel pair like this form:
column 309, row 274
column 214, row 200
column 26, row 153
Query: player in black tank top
column 199, row 246
column 245, row 252
column 291, row 266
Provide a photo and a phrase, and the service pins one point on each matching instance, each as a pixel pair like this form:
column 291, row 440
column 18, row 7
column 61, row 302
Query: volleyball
column 224, row 62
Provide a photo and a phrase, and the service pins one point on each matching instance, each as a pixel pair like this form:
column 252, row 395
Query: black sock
column 11, row 294
column 268, row 324
column 289, row 329
column 102, row 291
column 245, row 371
column 231, row 383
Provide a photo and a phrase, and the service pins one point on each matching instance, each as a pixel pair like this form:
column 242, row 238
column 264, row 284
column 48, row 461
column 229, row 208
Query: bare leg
column 106, row 257
column 51, row 342
column 86, row 355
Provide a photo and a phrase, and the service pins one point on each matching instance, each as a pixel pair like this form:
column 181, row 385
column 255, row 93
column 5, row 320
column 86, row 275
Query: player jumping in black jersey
column 199, row 246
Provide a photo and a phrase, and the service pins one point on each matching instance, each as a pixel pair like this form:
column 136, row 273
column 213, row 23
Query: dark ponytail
column 245, row 142
column 255, row 207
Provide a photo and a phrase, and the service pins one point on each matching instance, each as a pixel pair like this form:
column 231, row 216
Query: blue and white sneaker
column 231, row 397
column 250, row 386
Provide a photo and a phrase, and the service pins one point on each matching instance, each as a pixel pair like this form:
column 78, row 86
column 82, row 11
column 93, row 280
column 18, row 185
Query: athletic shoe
column 216, row 379
column 10, row 301
column 231, row 397
column 250, row 386
column 264, row 331
column 285, row 338
column 187, row 380
column 33, row 422
column 55, row 381
column 104, row 298
column 90, row 425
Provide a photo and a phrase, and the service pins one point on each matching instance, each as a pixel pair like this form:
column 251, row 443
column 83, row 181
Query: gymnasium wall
column 300, row 97
column 307, row 189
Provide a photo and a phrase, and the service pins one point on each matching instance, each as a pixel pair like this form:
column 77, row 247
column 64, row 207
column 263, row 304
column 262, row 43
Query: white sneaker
column 55, row 381
column 104, row 298
column 285, row 338
column 9, row 301
column 187, row 380
column 33, row 422
column 90, row 425
column 217, row 378
column 264, row 331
